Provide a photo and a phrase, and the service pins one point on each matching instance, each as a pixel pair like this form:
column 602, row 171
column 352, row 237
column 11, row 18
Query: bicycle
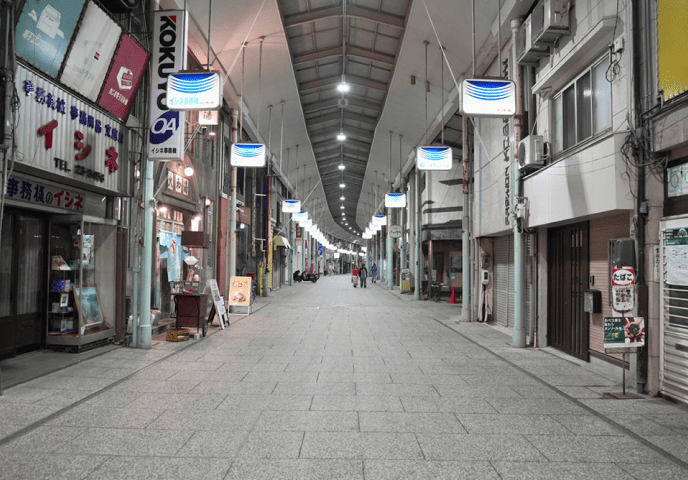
column 424, row 291
column 436, row 291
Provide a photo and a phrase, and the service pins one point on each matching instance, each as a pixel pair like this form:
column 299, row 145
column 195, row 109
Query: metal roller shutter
column 674, row 312
column 503, row 280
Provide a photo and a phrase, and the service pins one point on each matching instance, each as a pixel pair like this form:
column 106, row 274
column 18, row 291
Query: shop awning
column 281, row 241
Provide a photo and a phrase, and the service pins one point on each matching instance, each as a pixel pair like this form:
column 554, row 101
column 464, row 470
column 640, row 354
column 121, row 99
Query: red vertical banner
column 123, row 80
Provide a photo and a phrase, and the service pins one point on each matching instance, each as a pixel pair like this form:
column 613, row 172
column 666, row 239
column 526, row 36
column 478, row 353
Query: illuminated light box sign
column 166, row 140
column 194, row 91
column 307, row 224
column 291, row 206
column 488, row 98
column 367, row 236
column 395, row 200
column 248, row 155
column 380, row 220
column 434, row 158
column 300, row 216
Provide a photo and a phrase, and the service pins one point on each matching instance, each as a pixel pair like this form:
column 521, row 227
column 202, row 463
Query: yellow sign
column 672, row 61
column 240, row 291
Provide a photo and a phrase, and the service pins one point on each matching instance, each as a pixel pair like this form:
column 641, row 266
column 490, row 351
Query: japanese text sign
column 623, row 277
column 168, row 55
column 240, row 291
column 66, row 137
column 125, row 76
column 620, row 332
column 194, row 91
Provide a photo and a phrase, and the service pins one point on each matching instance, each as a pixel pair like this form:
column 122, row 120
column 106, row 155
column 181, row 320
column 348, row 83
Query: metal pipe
column 268, row 208
column 402, row 215
column 465, row 253
column 210, row 21
column 519, row 333
column 416, row 204
column 233, row 208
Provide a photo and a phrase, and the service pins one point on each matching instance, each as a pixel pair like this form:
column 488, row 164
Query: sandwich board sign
column 218, row 302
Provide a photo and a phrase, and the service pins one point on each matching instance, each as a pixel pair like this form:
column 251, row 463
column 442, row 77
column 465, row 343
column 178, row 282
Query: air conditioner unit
column 549, row 21
column 526, row 52
column 531, row 153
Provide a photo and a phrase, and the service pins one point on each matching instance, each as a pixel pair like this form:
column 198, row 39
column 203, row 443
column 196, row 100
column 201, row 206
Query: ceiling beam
column 349, row 141
column 349, row 130
column 318, row 54
column 335, row 79
column 323, row 118
column 334, row 102
column 312, row 16
column 370, row 55
column 375, row 16
column 355, row 117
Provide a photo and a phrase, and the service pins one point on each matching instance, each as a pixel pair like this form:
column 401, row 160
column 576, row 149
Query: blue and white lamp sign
column 488, row 98
column 194, row 91
column 248, row 155
column 434, row 158
column 291, row 206
column 300, row 216
column 395, row 200
column 380, row 220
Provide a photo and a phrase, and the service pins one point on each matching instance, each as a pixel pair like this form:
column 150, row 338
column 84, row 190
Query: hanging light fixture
column 343, row 87
column 188, row 171
column 341, row 136
column 341, row 166
column 342, row 198
column 342, row 185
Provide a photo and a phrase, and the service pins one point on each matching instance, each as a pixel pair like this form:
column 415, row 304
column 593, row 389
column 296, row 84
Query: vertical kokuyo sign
column 168, row 56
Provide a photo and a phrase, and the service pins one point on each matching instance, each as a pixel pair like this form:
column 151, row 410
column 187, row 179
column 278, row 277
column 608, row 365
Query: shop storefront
column 60, row 224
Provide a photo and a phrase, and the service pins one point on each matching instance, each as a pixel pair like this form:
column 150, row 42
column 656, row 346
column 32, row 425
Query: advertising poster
column 622, row 332
column 44, row 30
column 623, row 289
column 676, row 243
column 240, row 291
column 171, row 249
column 91, row 53
column 168, row 55
column 124, row 78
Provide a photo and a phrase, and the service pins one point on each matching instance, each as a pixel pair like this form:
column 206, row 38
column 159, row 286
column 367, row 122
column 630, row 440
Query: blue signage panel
column 488, row 98
column 194, row 91
column 434, row 158
column 395, row 200
column 248, row 155
column 44, row 31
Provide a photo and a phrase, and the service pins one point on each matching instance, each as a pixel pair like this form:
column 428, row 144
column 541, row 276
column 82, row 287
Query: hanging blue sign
column 291, row 206
column 194, row 91
column 248, row 155
column 395, row 200
column 434, row 158
column 488, row 98
column 44, row 31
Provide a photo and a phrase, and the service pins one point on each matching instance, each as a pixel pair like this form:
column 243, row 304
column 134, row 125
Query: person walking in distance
column 363, row 273
column 373, row 272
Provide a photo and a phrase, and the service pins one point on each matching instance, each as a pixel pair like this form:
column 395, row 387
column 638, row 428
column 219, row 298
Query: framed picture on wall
column 177, row 183
column 185, row 188
column 170, row 180
column 64, row 300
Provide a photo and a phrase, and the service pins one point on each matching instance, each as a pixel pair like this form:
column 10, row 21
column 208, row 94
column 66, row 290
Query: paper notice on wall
column 676, row 244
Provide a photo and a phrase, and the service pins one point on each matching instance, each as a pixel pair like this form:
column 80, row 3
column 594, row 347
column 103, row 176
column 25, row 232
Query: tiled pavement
column 331, row 382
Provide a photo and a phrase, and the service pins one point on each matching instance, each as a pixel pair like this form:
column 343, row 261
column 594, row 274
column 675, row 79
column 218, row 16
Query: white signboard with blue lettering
column 300, row 216
column 395, row 200
column 380, row 220
column 248, row 155
column 434, row 158
column 44, row 30
column 291, row 206
column 167, row 56
column 194, row 91
column 488, row 98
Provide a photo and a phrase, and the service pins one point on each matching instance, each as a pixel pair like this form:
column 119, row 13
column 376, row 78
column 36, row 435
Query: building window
column 582, row 109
